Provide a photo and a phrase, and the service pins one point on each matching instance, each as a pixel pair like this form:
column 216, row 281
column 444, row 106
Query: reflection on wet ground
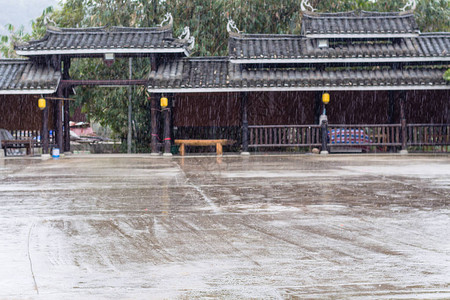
column 229, row 227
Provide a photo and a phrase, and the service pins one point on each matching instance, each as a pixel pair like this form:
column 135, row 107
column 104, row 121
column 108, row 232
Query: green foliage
column 447, row 75
column 7, row 41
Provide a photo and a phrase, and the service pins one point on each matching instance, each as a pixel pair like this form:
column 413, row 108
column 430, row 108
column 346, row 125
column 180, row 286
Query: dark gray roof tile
column 75, row 40
column 358, row 23
column 262, row 48
column 23, row 76
column 220, row 74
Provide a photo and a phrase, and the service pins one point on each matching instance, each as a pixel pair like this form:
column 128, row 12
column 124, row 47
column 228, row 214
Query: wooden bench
column 16, row 144
column 218, row 143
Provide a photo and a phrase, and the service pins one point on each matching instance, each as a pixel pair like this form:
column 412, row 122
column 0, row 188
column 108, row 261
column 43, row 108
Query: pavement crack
column 30, row 260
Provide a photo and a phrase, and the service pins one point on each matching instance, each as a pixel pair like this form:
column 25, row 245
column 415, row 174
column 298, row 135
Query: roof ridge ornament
column 410, row 3
column 191, row 42
column 48, row 20
column 305, row 5
column 232, row 25
column 167, row 18
column 186, row 34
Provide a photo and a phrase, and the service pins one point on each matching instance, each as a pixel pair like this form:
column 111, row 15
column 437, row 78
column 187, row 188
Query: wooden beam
column 72, row 82
column 56, row 98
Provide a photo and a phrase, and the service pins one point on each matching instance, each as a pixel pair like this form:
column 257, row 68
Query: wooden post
column 219, row 149
column 154, row 122
column 244, row 105
column 66, row 75
column 324, row 127
column 59, row 126
column 44, row 133
column 182, row 150
column 66, row 126
column 167, row 122
column 403, row 124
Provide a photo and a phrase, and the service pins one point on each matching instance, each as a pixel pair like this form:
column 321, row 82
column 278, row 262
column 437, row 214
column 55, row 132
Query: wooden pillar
column 130, row 106
column 59, row 123
column 154, row 98
column 403, row 123
column 66, row 75
column 44, row 133
column 66, row 126
column 324, row 128
column 167, row 122
column 244, row 103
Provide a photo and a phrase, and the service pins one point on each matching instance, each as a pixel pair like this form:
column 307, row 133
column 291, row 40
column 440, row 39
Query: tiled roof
column 358, row 24
column 26, row 77
column 104, row 39
column 218, row 74
column 199, row 72
column 248, row 48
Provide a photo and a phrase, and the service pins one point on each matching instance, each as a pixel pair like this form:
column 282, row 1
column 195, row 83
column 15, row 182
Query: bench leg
column 182, row 150
column 219, row 150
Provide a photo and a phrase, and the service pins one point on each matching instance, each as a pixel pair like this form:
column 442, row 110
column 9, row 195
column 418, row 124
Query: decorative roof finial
column 186, row 34
column 47, row 21
column 191, row 42
column 231, row 25
column 411, row 3
column 167, row 18
column 305, row 5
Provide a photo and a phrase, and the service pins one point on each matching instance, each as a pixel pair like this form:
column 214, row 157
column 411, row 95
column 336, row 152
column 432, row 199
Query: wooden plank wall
column 298, row 108
column 20, row 112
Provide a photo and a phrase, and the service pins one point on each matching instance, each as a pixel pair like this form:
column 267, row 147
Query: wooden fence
column 374, row 137
column 284, row 136
column 428, row 137
column 34, row 135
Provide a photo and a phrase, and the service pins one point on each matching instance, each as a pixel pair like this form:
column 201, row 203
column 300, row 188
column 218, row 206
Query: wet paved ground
column 102, row 227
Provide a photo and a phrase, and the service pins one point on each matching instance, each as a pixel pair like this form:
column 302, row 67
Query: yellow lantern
column 164, row 102
column 41, row 103
column 326, row 98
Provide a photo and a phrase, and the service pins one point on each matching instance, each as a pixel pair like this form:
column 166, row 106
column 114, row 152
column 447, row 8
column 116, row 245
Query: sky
column 21, row 12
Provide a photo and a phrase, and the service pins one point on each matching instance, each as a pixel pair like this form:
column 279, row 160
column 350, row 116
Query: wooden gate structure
column 46, row 73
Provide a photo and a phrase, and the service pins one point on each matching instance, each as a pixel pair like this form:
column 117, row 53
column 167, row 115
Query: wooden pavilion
column 384, row 76
column 385, row 79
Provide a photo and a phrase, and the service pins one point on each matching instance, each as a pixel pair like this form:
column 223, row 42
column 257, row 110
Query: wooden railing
column 429, row 136
column 367, row 135
column 284, row 136
column 34, row 135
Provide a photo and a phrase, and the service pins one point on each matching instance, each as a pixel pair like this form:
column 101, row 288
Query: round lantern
column 326, row 98
column 164, row 102
column 41, row 103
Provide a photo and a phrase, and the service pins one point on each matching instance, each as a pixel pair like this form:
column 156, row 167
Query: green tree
column 15, row 35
